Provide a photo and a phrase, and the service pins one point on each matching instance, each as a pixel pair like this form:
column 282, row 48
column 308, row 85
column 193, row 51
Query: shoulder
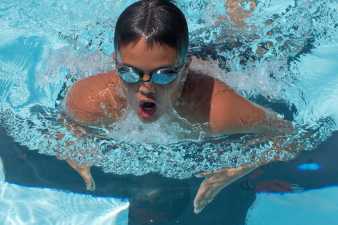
column 97, row 81
column 213, row 101
column 196, row 97
column 231, row 112
column 91, row 99
column 204, row 97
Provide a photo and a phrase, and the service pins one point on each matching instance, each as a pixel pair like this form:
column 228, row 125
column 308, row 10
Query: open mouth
column 147, row 109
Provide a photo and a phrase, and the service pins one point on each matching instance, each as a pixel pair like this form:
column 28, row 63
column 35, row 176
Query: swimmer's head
column 157, row 21
column 151, row 35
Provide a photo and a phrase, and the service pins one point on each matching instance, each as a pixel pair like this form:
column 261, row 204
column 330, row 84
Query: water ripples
column 23, row 205
column 55, row 49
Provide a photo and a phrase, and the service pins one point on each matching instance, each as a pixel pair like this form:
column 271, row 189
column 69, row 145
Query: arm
column 231, row 113
column 83, row 170
column 93, row 100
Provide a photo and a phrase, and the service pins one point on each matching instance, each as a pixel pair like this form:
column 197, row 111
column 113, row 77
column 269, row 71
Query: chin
column 149, row 119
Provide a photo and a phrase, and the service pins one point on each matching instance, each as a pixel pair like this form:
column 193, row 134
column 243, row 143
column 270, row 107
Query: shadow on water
column 157, row 200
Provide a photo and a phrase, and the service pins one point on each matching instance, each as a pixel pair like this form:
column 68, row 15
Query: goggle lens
column 164, row 77
column 128, row 74
column 161, row 77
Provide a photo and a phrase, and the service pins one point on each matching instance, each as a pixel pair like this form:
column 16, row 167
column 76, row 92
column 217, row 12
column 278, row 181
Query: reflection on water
column 47, row 206
column 46, row 45
column 155, row 200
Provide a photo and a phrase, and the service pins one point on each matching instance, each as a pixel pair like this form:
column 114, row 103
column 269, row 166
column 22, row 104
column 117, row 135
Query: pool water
column 285, row 59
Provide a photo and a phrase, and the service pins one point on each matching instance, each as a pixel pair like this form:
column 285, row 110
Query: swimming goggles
column 161, row 76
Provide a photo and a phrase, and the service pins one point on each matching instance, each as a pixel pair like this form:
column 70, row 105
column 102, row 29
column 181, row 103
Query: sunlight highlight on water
column 272, row 57
column 51, row 207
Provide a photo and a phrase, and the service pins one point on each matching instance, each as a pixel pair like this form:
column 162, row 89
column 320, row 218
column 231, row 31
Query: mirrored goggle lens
column 128, row 75
column 164, row 77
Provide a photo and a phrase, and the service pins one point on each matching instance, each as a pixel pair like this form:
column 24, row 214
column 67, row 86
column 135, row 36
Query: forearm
column 78, row 132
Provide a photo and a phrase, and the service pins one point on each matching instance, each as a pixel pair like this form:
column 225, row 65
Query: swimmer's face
column 147, row 99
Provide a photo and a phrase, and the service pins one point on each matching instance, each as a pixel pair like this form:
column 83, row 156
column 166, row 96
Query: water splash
column 269, row 59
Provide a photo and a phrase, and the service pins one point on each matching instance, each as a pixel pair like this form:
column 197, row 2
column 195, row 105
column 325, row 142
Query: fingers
column 89, row 181
column 86, row 175
column 201, row 199
column 84, row 172
column 207, row 192
column 215, row 182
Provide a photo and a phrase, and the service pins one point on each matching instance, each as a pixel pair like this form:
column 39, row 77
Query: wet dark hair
column 159, row 21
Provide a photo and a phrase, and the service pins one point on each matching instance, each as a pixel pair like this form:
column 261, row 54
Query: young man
column 153, row 76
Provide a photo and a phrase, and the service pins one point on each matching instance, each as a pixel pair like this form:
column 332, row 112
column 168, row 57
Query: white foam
column 170, row 128
column 90, row 29
column 274, row 6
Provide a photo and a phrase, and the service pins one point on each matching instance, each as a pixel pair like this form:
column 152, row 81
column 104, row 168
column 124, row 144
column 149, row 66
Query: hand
column 84, row 172
column 214, row 182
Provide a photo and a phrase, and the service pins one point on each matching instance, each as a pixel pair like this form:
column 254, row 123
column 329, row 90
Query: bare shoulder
column 231, row 112
column 96, row 98
column 196, row 97
column 209, row 100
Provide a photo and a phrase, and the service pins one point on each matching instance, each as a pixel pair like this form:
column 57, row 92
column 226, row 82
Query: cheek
column 175, row 90
column 170, row 93
column 130, row 92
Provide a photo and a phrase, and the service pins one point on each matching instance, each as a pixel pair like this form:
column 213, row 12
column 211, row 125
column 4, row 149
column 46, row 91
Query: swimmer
column 153, row 77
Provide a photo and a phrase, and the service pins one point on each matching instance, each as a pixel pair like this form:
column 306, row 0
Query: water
column 56, row 204
column 285, row 60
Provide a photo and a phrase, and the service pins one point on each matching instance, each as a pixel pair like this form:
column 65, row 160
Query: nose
column 147, row 89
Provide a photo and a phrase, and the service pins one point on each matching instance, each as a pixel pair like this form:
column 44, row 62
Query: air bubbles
column 263, row 60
